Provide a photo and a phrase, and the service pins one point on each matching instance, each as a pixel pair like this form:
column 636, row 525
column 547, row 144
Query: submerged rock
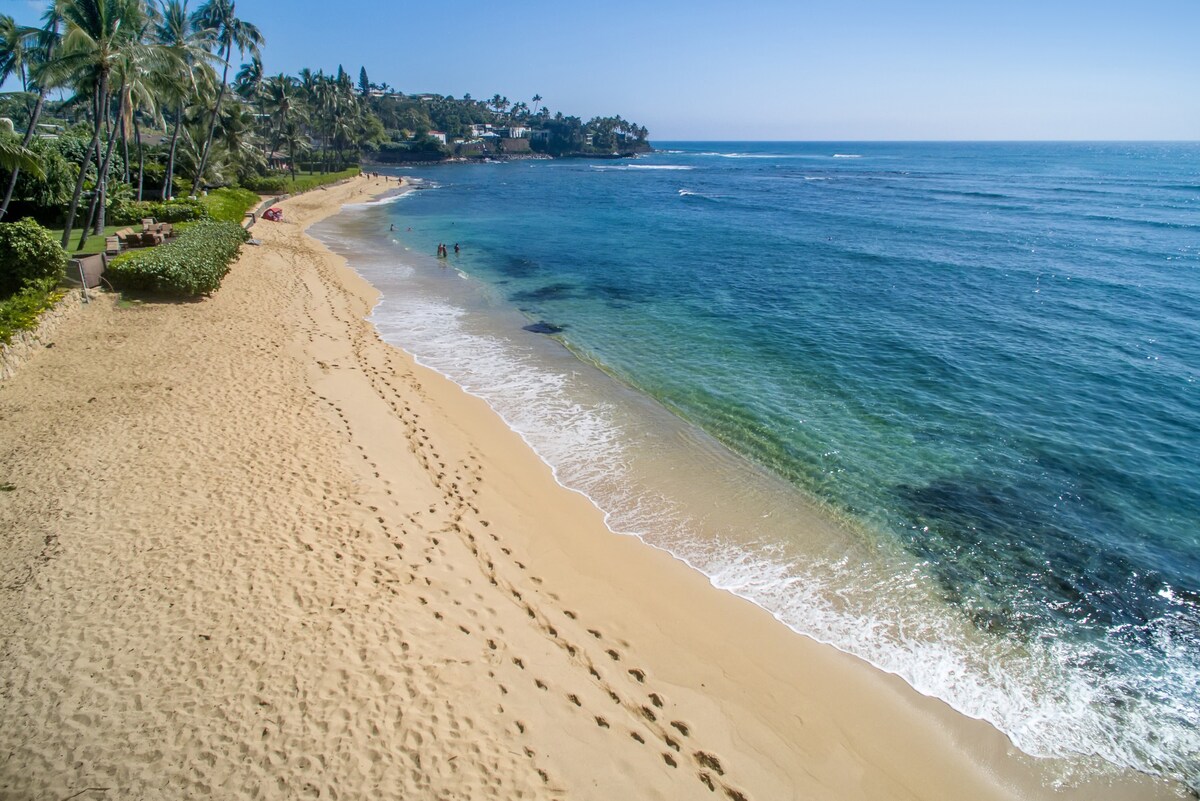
column 543, row 327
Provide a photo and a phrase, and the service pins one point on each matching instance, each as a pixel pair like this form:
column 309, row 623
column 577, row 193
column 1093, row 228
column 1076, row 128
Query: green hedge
column 172, row 211
column 28, row 253
column 230, row 203
column 282, row 184
column 268, row 184
column 21, row 311
column 194, row 263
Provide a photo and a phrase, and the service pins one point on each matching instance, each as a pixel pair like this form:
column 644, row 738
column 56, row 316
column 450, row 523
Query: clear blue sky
column 858, row 69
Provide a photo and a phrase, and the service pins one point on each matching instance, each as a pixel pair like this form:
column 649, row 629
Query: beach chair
column 112, row 245
column 87, row 270
column 125, row 238
column 147, row 224
column 167, row 230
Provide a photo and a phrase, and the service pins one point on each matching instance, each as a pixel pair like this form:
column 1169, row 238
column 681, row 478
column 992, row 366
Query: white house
column 439, row 135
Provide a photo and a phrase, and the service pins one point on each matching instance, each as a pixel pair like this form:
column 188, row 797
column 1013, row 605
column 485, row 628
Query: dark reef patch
column 542, row 294
column 543, row 327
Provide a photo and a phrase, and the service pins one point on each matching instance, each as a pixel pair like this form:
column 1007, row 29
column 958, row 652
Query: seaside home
column 515, row 132
column 439, row 135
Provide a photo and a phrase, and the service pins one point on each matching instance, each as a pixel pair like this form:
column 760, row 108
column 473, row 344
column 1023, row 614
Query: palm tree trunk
column 100, row 91
column 124, row 147
column 169, row 183
column 97, row 206
column 212, row 126
column 137, row 135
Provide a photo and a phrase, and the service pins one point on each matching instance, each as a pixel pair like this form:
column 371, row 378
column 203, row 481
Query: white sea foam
column 383, row 201
column 624, row 167
column 847, row 156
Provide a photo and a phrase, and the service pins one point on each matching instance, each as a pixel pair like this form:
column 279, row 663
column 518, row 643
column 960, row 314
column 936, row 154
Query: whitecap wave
column 624, row 167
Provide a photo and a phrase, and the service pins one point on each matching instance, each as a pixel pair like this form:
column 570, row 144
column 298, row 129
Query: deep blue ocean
column 935, row 404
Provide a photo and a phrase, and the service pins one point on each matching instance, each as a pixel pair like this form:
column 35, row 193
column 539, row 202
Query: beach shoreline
column 285, row 556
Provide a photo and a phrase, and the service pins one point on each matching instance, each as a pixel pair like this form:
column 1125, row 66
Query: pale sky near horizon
column 817, row 70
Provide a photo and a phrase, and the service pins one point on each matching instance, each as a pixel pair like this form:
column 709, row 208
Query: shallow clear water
column 935, row 404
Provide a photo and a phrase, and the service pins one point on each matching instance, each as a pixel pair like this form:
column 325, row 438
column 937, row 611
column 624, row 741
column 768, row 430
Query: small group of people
column 442, row 252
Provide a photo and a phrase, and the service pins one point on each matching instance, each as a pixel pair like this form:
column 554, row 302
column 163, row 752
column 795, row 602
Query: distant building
column 516, row 132
column 540, row 135
column 479, row 129
column 49, row 130
column 439, row 135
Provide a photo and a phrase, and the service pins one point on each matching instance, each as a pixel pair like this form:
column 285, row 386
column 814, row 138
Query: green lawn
column 94, row 244
column 305, row 182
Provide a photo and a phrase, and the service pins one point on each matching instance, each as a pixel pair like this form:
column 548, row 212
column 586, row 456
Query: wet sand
column 251, row 551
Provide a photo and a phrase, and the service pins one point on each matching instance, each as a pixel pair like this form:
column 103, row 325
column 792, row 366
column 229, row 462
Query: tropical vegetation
column 124, row 109
column 193, row 263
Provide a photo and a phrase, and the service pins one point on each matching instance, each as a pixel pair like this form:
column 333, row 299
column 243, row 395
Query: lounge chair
column 147, row 224
column 112, row 245
column 87, row 270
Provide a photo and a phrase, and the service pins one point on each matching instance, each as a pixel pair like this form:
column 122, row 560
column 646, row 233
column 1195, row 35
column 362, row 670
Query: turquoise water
column 979, row 360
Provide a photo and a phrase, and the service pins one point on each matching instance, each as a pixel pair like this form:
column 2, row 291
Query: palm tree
column 129, row 67
column 16, row 45
column 16, row 157
column 281, row 97
column 43, row 52
column 191, row 74
column 98, row 32
column 225, row 31
column 536, row 99
column 248, row 81
column 294, row 138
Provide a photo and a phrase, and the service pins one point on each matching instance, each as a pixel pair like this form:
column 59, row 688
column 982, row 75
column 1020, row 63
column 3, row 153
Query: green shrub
column 282, row 184
column 267, row 184
column 230, row 203
column 172, row 211
column 21, row 311
column 303, row 183
column 184, row 209
column 28, row 253
column 194, row 263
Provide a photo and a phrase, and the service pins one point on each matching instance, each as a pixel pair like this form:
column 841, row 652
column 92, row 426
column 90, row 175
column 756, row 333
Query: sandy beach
column 252, row 551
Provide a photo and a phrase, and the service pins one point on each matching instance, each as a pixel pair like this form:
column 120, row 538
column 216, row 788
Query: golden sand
column 254, row 552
